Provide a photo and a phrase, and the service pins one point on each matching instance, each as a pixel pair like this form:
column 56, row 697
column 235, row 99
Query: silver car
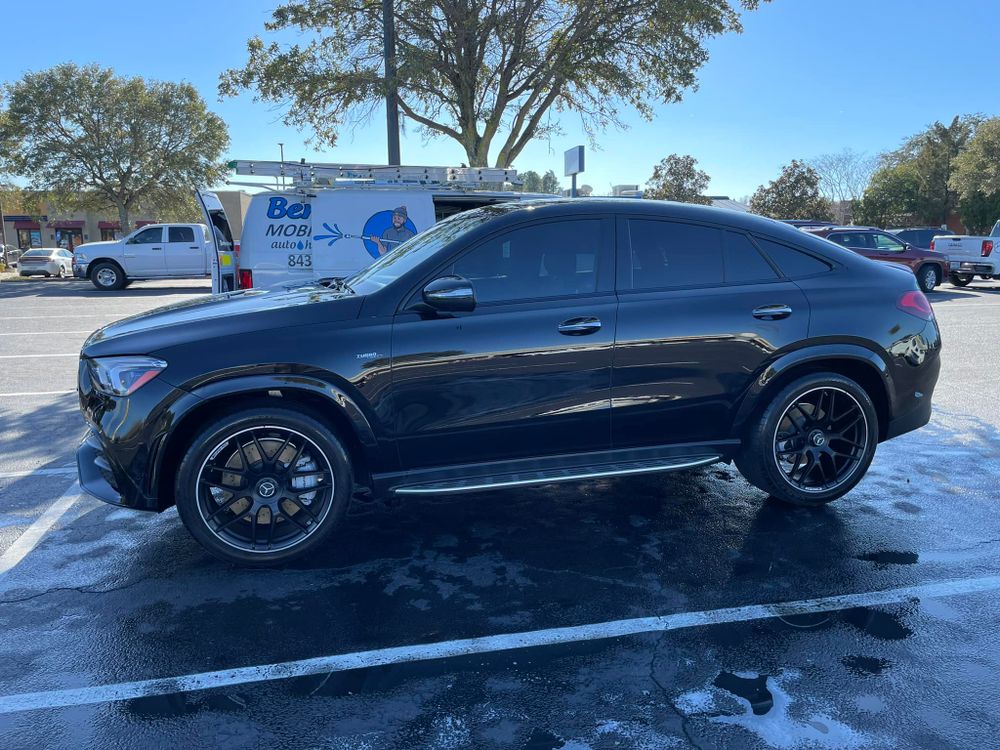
column 47, row 261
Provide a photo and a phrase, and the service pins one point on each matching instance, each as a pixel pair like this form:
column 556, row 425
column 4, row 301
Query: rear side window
column 668, row 254
column 553, row 259
column 793, row 263
column 743, row 261
column 181, row 234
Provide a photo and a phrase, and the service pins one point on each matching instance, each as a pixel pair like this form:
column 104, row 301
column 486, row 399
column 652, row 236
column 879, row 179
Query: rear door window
column 743, row 262
column 671, row 254
column 793, row 263
column 181, row 234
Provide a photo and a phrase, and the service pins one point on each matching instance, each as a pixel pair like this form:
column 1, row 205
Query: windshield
column 415, row 250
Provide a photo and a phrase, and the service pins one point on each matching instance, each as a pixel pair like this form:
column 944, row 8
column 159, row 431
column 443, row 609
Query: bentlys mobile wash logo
column 279, row 210
column 384, row 231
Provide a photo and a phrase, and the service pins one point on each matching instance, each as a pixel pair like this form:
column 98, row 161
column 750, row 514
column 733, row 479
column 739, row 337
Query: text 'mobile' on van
column 335, row 219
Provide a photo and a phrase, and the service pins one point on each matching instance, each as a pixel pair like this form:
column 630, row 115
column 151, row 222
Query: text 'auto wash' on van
column 335, row 219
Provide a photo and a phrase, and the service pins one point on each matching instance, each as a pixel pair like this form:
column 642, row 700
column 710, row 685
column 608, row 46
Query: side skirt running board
column 501, row 481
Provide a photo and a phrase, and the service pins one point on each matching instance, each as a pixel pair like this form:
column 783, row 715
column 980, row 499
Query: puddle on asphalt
column 751, row 689
column 866, row 666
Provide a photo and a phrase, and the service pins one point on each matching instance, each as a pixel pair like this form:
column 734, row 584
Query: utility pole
column 391, row 89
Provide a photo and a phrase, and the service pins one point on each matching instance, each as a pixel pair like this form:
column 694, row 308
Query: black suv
column 516, row 344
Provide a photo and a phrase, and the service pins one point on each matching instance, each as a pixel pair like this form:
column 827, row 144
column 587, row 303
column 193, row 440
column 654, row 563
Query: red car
column 930, row 267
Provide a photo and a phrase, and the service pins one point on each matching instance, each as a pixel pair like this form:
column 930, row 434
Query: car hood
column 95, row 246
column 218, row 316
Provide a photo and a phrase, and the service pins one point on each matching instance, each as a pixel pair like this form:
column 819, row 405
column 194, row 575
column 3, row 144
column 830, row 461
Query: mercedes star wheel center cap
column 266, row 488
column 818, row 439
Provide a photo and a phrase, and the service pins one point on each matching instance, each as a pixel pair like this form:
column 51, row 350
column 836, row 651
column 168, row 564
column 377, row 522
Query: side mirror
column 450, row 294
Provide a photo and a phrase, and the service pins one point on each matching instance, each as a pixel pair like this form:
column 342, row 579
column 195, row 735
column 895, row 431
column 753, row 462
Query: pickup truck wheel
column 108, row 277
column 813, row 441
column 264, row 486
column 928, row 278
column 960, row 279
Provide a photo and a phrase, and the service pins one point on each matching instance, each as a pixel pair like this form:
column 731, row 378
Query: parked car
column 970, row 256
column 921, row 237
column 800, row 223
column 930, row 267
column 515, row 344
column 162, row 251
column 9, row 255
column 46, row 261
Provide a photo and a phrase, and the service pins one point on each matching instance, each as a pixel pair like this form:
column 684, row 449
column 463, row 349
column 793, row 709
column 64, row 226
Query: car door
column 184, row 251
column 701, row 311
column 143, row 253
column 859, row 242
column 528, row 372
column 891, row 249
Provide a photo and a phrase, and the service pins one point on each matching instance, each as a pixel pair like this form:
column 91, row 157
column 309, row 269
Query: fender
column 792, row 359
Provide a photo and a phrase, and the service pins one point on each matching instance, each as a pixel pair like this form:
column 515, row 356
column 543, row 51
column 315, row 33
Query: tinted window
column 861, row 240
column 554, row 259
column 148, row 236
column 181, row 234
column 885, row 242
column 672, row 254
column 793, row 263
column 743, row 262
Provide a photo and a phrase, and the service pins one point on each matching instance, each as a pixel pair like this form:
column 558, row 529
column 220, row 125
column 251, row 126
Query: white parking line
column 486, row 644
column 42, row 333
column 74, row 315
column 36, row 356
column 34, row 533
column 38, row 393
column 63, row 471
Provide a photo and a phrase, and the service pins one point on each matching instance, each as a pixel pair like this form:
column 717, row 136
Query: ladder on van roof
column 304, row 174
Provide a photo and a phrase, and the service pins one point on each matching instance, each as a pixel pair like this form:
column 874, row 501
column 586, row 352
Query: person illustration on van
column 395, row 234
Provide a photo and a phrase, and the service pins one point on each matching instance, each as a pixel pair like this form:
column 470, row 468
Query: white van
column 315, row 230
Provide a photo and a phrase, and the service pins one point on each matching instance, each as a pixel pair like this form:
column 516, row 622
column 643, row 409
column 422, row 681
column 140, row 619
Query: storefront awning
column 108, row 225
column 65, row 225
column 143, row 223
column 27, row 225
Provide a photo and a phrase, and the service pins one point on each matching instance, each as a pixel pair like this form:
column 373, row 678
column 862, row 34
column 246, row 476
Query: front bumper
column 80, row 270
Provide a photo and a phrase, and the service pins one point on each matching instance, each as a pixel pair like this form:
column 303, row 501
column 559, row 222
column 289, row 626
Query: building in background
column 626, row 191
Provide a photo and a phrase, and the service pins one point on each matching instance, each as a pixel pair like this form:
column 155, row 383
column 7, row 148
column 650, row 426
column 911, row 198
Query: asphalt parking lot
column 632, row 613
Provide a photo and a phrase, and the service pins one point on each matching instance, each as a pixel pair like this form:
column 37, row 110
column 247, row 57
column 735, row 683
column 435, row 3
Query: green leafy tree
column 677, row 178
column 976, row 178
column 550, row 183
column 532, row 181
column 794, row 195
column 891, row 199
column 95, row 140
column 484, row 73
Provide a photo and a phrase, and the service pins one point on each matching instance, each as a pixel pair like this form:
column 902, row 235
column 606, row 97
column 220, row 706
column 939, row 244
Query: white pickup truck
column 970, row 256
column 164, row 251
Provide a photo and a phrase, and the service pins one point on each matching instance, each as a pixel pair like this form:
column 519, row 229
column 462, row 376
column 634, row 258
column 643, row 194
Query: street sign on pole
column 573, row 160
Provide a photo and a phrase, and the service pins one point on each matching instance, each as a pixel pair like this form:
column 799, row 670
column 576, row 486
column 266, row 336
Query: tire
column 226, row 513
column 928, row 277
column 61, row 273
column 960, row 279
column 842, row 406
column 108, row 277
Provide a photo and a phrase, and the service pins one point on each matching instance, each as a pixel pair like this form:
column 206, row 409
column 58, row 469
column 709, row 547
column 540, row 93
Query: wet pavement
column 110, row 596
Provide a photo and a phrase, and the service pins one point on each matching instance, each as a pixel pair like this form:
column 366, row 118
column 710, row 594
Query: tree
column 976, row 178
column 892, row 197
column 843, row 177
column 677, row 178
column 483, row 72
column 531, row 182
column 550, row 183
column 794, row 195
column 96, row 140
column 932, row 154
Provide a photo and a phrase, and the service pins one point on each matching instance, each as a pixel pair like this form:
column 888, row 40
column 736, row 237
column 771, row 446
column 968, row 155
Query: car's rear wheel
column 813, row 441
column 960, row 279
column 264, row 486
column 107, row 277
column 928, row 278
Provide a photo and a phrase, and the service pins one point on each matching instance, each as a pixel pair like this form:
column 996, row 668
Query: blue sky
column 806, row 77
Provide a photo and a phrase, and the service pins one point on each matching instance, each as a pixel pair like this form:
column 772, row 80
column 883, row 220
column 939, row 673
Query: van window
column 668, row 254
column 181, row 234
column 793, row 263
column 550, row 259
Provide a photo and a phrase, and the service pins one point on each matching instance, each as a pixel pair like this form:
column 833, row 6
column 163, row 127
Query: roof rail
column 304, row 174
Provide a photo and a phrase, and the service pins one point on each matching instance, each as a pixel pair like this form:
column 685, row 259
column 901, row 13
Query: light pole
column 281, row 150
column 391, row 108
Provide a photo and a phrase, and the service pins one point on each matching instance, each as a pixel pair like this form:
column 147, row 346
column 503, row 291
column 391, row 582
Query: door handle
column 194, row 247
column 156, row 248
column 772, row 312
column 579, row 326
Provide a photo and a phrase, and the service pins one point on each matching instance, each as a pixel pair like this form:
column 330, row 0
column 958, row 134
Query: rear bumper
column 969, row 266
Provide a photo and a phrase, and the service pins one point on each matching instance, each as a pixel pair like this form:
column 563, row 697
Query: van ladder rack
column 303, row 174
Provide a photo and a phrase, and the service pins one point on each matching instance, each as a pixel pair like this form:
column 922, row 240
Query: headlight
column 122, row 376
column 80, row 256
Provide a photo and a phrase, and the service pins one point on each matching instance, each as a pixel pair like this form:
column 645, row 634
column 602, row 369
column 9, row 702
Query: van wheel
column 264, row 486
column 928, row 278
column 107, row 277
column 813, row 442
column 960, row 279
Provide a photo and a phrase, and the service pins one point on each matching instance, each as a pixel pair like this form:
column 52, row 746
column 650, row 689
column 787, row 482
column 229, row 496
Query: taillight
column 932, row 244
column 246, row 279
column 987, row 248
column 915, row 303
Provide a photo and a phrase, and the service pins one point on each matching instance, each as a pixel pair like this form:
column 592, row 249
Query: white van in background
column 337, row 219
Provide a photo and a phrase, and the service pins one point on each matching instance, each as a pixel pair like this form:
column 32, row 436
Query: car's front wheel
column 108, row 277
column 813, row 441
column 264, row 486
column 928, row 278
